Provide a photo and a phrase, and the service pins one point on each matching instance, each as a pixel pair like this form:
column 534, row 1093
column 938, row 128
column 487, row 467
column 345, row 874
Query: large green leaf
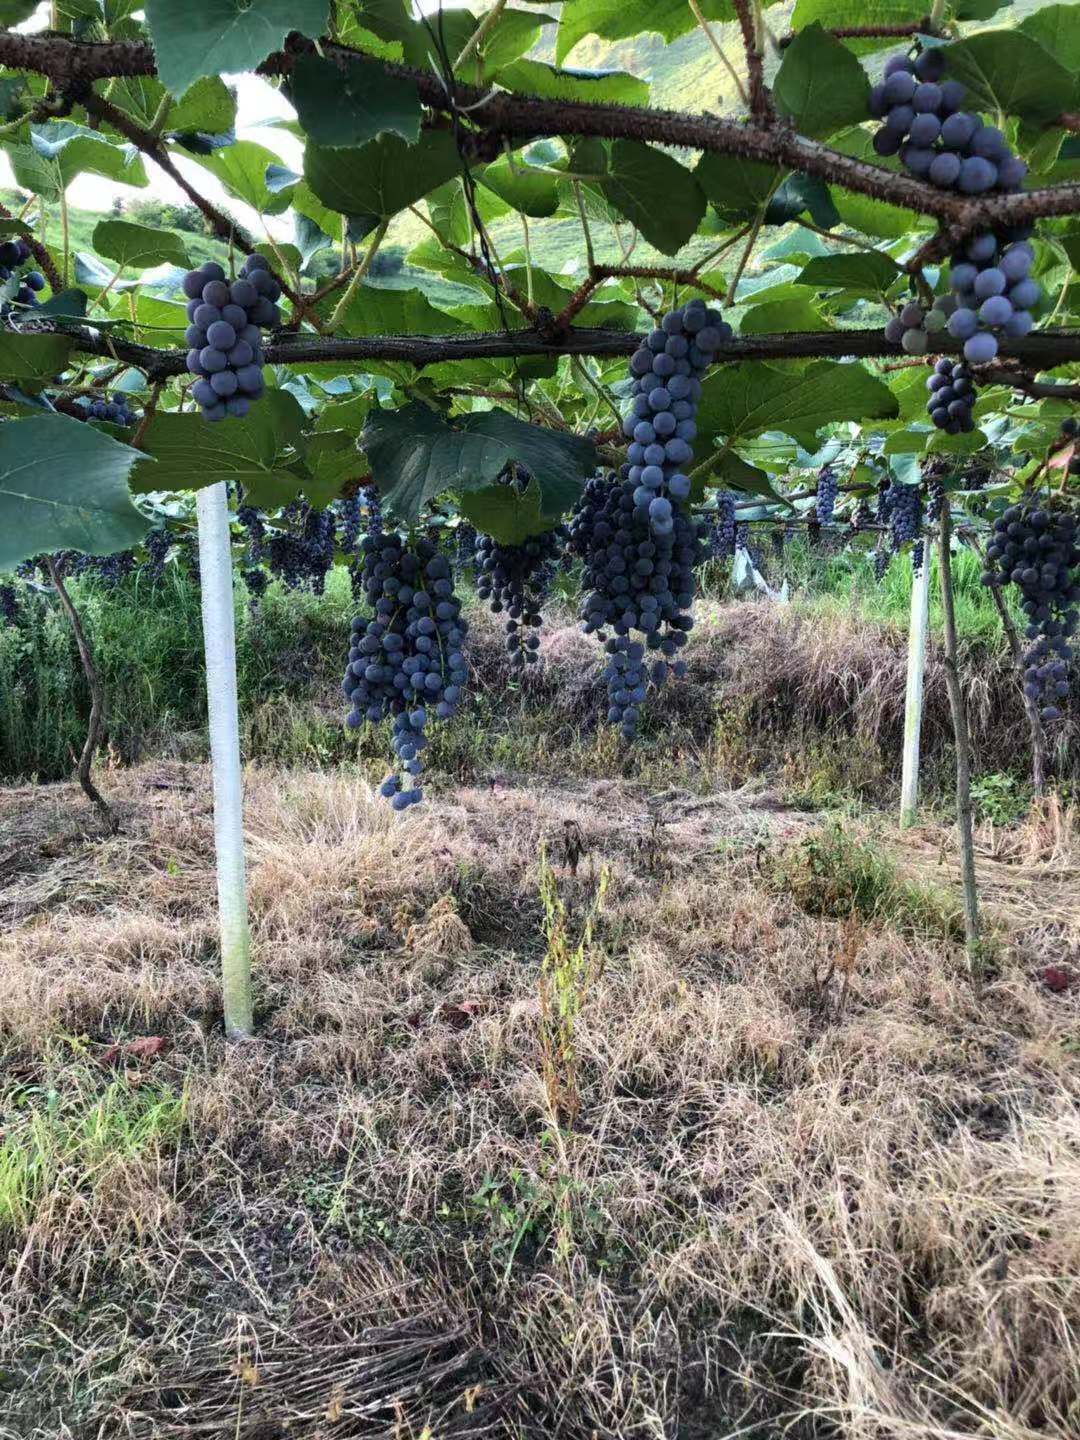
column 501, row 512
column 736, row 187
column 616, row 19
column 209, row 106
column 373, row 310
column 740, row 401
column 217, row 37
column 1008, row 72
column 416, row 454
column 138, row 245
column 613, row 87
column 14, row 12
column 524, row 187
column 63, row 486
column 350, row 107
column 242, row 168
column 60, row 151
column 655, row 193
column 777, row 317
column 190, row 452
column 870, row 272
column 1057, row 29
column 820, row 86
column 383, row 177
column 32, row 359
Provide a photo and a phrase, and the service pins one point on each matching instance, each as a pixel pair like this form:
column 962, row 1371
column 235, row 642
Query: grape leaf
column 383, row 177
column 617, row 19
column 60, row 151
column 820, row 85
column 523, row 187
column 870, row 272
column 782, row 317
column 242, row 169
column 1008, row 71
column 1057, row 29
column 216, row 37
column 209, row 106
column 138, row 246
column 636, row 175
column 740, row 401
column 736, row 187
column 32, row 359
column 63, row 486
column 416, row 454
column 374, row 310
column 350, row 107
column 508, row 517
column 534, row 77
column 190, row 452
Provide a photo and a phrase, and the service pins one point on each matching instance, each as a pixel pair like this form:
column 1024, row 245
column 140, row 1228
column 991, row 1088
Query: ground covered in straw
column 817, row 1184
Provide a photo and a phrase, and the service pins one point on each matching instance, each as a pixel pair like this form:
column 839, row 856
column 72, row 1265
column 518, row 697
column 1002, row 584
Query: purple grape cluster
column 1035, row 547
column 14, row 256
column 225, row 334
column 117, row 410
column 158, row 544
column 952, row 397
column 667, row 369
column 9, row 603
column 825, row 500
column 516, row 579
column 634, row 579
column 303, row 554
column 993, row 293
column 351, row 514
column 905, row 514
column 924, row 123
column 407, row 659
column 718, row 528
column 937, row 140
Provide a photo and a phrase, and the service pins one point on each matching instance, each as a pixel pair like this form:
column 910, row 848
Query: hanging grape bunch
column 668, row 367
column 1035, row 547
column 825, row 500
column 226, row 320
column 9, row 603
column 465, row 537
column 407, row 659
column 635, row 532
column 350, row 511
column 937, row 140
column 515, row 579
column 117, row 410
column 158, row 544
column 905, row 515
column 23, row 287
column 952, row 397
column 302, row 555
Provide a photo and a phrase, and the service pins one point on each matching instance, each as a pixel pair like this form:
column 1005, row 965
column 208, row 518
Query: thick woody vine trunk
column 97, row 697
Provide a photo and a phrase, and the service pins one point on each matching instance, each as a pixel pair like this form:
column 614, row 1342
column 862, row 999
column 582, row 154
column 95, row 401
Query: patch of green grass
column 61, row 1144
column 834, row 874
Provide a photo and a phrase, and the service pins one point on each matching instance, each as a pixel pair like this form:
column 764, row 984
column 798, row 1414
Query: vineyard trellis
column 512, row 406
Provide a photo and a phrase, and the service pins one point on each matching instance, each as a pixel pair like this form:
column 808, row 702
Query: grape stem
column 707, row 31
column 358, row 276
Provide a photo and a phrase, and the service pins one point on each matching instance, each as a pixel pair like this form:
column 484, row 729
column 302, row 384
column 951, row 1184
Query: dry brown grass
column 814, row 1189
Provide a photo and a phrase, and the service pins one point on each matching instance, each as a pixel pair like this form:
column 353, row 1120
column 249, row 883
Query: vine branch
column 497, row 116
column 1038, row 351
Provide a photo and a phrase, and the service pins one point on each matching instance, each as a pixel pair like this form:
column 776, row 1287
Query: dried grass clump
column 814, row 1185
